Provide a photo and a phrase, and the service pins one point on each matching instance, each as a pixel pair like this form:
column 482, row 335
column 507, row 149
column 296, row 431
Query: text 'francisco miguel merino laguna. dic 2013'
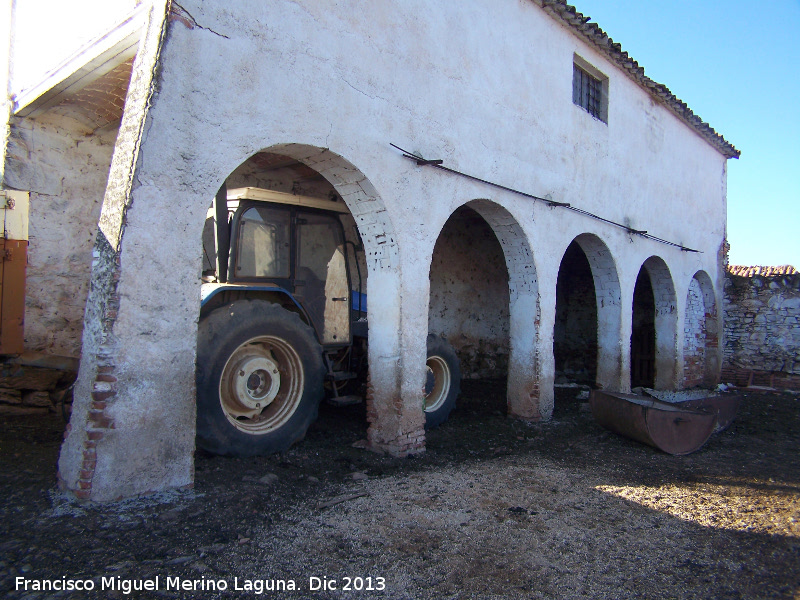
column 255, row 586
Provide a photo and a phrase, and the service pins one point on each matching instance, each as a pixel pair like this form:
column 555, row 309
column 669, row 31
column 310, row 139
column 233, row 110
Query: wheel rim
column 261, row 385
column 437, row 383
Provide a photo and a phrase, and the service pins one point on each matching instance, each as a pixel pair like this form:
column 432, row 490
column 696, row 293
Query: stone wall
column 65, row 165
column 762, row 330
column 694, row 337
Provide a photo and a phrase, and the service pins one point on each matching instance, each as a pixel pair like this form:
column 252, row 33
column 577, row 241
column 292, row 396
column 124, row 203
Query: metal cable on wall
column 551, row 203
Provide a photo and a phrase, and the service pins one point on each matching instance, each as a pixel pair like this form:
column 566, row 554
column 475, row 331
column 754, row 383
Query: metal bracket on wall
column 14, row 205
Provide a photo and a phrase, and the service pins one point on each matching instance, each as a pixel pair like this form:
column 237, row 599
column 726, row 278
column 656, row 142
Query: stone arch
column 529, row 392
column 468, row 300
column 516, row 249
column 654, row 327
column 604, row 340
column 120, row 390
column 377, row 234
column 701, row 335
column 368, row 209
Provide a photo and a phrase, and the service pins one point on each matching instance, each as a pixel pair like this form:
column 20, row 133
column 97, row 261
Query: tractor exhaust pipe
column 223, row 236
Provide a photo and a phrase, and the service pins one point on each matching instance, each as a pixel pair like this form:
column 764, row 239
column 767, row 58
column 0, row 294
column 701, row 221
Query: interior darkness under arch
column 575, row 333
column 643, row 333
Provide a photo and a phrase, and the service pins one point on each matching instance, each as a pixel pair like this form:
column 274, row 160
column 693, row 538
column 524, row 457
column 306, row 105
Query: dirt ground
column 496, row 508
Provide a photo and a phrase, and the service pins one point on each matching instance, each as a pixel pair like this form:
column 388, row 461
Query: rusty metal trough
column 725, row 406
column 675, row 428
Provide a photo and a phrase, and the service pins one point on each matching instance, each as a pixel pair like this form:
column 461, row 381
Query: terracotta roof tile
column 751, row 271
column 598, row 38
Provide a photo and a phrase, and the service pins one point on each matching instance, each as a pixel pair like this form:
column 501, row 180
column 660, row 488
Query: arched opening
column 468, row 304
column 643, row 333
column 483, row 299
column 469, row 295
column 700, row 339
column 653, row 328
column 586, row 333
column 575, row 331
column 288, row 244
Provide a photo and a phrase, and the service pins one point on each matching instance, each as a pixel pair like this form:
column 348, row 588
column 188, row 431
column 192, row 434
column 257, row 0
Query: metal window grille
column 586, row 91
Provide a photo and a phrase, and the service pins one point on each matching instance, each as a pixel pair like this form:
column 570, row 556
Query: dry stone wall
column 694, row 337
column 762, row 330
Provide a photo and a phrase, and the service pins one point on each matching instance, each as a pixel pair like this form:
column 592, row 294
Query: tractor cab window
column 263, row 248
column 318, row 237
column 321, row 275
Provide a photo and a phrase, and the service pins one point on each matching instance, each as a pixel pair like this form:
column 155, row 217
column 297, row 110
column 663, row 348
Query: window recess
column 589, row 89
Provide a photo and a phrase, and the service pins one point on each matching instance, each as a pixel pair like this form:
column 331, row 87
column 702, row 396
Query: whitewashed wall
column 484, row 85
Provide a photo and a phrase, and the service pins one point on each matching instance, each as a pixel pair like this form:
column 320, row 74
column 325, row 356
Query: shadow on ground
column 495, row 508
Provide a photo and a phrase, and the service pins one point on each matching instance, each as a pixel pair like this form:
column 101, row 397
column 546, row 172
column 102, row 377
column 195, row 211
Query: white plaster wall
column 302, row 72
column 425, row 75
column 65, row 167
column 483, row 85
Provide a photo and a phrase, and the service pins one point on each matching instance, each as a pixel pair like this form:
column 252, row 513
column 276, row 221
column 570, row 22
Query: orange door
column 13, row 262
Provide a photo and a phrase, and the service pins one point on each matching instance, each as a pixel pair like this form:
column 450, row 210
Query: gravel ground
column 496, row 508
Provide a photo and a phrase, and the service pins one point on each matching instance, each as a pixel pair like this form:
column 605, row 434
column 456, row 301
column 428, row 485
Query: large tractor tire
column 259, row 379
column 442, row 383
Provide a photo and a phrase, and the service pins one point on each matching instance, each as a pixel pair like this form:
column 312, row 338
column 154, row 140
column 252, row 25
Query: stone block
column 37, row 398
column 10, row 396
column 30, row 378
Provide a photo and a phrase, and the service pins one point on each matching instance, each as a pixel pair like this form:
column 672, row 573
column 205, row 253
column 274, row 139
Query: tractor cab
column 293, row 245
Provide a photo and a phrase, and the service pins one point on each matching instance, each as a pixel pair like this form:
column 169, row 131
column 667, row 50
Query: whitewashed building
column 574, row 228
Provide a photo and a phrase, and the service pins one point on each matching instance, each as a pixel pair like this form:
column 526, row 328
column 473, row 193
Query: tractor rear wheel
column 259, row 379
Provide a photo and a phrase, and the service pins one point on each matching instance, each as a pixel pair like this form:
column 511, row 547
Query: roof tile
column 752, row 271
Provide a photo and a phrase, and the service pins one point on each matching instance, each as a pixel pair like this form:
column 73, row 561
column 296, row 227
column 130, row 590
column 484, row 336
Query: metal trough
column 672, row 428
column 725, row 406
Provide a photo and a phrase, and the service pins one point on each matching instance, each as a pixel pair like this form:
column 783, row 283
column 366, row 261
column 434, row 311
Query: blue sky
column 735, row 64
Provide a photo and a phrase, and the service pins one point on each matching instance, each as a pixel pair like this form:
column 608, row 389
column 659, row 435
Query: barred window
column 589, row 91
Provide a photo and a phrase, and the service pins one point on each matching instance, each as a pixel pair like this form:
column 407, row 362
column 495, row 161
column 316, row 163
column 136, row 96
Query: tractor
column 282, row 325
